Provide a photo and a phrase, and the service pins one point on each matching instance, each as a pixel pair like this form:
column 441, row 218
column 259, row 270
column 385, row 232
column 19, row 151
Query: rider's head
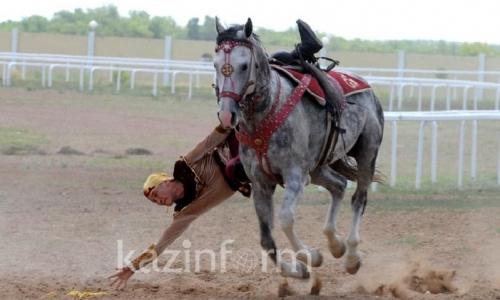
column 163, row 189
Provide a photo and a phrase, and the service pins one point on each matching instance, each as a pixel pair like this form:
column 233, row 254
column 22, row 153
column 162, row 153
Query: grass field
column 202, row 108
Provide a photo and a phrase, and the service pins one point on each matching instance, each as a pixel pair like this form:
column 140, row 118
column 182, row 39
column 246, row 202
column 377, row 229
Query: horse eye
column 244, row 67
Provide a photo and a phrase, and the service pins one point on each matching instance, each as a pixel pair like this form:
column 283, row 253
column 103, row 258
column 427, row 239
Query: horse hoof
column 316, row 258
column 297, row 270
column 303, row 271
column 338, row 252
column 354, row 269
column 284, row 290
column 316, row 286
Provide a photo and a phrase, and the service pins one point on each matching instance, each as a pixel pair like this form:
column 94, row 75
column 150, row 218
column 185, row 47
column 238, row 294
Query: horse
column 249, row 91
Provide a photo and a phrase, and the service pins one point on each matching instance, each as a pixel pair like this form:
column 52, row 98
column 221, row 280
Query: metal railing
column 396, row 86
column 172, row 69
column 463, row 90
column 433, row 118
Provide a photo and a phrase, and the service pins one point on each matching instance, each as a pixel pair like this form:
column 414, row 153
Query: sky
column 450, row 20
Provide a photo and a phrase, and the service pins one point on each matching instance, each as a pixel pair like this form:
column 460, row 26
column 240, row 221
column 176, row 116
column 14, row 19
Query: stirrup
column 312, row 59
column 333, row 63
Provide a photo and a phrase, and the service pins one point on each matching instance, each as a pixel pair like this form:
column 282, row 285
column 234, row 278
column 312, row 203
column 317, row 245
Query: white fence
column 433, row 118
column 454, row 89
column 400, row 90
column 87, row 67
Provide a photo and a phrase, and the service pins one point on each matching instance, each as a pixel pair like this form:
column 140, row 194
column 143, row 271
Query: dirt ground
column 62, row 216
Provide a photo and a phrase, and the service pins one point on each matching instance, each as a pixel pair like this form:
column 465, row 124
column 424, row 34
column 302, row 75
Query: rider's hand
column 121, row 277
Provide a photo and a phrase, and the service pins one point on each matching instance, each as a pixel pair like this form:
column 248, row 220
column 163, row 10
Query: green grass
column 143, row 87
column 122, row 161
column 198, row 116
column 421, row 200
column 122, row 184
column 408, row 240
column 408, row 200
column 21, row 141
column 445, row 185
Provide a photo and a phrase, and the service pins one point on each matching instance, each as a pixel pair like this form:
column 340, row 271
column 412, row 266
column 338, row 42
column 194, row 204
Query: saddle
column 330, row 89
column 348, row 83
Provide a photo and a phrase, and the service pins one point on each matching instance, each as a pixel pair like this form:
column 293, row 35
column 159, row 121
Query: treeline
column 141, row 24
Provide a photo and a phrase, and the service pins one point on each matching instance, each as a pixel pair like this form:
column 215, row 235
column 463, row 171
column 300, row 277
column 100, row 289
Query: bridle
column 227, row 70
column 258, row 140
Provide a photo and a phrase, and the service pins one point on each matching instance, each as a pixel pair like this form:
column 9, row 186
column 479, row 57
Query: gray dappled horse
column 247, row 88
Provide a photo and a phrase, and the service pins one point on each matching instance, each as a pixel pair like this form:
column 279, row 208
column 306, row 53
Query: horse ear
column 218, row 26
column 248, row 28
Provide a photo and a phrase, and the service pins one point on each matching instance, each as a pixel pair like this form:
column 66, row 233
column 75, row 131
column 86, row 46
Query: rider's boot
column 309, row 45
column 309, row 42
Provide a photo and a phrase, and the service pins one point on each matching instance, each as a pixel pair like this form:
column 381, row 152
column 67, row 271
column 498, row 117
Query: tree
column 476, row 48
column 207, row 30
column 35, row 24
column 138, row 24
column 141, row 24
column 193, row 29
column 162, row 26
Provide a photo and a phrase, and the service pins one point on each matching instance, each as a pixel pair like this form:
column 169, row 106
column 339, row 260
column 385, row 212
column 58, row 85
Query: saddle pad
column 350, row 83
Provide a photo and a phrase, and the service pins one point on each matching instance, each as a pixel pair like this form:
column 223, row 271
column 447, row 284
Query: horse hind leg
column 366, row 168
column 335, row 184
column 353, row 258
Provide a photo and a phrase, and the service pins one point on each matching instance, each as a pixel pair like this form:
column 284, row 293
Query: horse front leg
column 263, row 203
column 264, row 208
column 294, row 187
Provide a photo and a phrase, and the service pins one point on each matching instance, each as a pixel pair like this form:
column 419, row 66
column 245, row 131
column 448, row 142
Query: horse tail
column 348, row 168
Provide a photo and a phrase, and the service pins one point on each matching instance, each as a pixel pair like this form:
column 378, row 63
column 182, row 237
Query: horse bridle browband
column 227, row 69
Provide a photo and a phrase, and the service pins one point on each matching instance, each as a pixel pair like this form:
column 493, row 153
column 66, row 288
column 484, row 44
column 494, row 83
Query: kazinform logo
column 244, row 260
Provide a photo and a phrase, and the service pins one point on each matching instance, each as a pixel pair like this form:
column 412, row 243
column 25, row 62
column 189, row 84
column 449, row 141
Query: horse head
column 237, row 62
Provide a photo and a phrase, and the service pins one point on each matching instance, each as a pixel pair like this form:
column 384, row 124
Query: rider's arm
column 214, row 139
column 178, row 226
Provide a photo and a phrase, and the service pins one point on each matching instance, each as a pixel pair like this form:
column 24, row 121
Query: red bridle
column 259, row 138
column 227, row 69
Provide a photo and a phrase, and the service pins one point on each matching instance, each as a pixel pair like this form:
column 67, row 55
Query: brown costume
column 206, row 184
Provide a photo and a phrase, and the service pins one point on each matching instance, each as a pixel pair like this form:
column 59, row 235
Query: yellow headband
column 154, row 180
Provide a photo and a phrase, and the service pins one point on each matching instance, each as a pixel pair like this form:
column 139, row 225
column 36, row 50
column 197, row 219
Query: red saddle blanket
column 349, row 83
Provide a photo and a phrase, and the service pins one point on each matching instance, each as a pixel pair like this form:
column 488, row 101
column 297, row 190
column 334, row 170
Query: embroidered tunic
column 206, row 189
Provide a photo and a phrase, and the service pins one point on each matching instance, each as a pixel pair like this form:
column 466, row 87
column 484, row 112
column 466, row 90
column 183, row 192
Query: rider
column 209, row 174
column 206, row 176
